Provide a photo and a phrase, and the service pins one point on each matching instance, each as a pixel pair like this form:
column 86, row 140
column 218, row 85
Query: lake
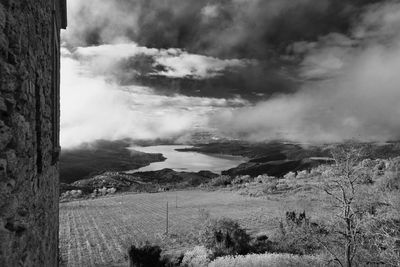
column 189, row 161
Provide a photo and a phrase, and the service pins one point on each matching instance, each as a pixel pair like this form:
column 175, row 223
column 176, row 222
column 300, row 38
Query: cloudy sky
column 304, row 70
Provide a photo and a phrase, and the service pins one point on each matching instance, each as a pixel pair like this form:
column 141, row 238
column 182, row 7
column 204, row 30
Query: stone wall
column 29, row 130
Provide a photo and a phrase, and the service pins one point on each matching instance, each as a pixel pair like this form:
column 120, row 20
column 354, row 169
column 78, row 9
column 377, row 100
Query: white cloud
column 177, row 62
column 359, row 100
column 210, row 12
column 94, row 107
column 196, row 66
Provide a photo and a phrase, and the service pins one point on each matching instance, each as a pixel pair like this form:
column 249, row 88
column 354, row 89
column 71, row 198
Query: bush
column 264, row 179
column 225, row 237
column 290, row 175
column 72, row 194
column 242, row 179
column 302, row 174
column 297, row 235
column 222, row 180
column 270, row 260
column 259, row 189
column 198, row 256
column 146, row 255
column 390, row 181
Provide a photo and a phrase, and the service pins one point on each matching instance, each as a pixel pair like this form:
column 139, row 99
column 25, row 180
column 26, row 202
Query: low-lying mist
column 351, row 89
column 94, row 106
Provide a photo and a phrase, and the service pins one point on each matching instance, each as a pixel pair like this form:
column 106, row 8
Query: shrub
column 146, row 255
column 264, row 179
column 222, row 180
column 111, row 190
column 282, row 185
column 103, row 191
column 198, row 256
column 260, row 244
column 302, row 174
column 290, row 175
column 297, row 235
column 270, row 187
column 242, row 179
column 72, row 194
column 259, row 189
column 390, row 181
column 224, row 237
column 270, row 260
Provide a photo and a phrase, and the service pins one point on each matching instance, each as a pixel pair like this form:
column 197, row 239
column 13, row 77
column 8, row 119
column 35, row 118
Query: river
column 188, row 161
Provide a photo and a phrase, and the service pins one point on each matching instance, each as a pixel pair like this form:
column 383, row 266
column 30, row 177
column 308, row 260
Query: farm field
column 97, row 232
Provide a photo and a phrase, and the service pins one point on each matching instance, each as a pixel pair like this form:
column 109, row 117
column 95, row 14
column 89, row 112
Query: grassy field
column 97, row 232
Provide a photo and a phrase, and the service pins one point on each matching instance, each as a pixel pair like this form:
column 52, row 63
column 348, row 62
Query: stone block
column 3, row 45
column 3, row 106
column 5, row 135
column 8, row 79
column 3, row 170
column 2, row 17
column 12, row 162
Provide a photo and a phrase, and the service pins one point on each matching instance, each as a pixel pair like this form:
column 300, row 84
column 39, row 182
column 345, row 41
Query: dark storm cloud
column 223, row 28
column 254, row 29
column 174, row 71
column 351, row 88
column 254, row 83
column 313, row 70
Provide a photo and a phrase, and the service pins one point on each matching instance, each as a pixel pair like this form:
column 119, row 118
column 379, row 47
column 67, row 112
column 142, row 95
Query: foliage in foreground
column 361, row 209
column 198, row 256
column 382, row 241
column 224, row 237
column 146, row 255
column 298, row 235
column 270, row 260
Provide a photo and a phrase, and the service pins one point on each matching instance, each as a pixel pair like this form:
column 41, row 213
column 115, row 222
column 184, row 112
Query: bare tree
column 343, row 188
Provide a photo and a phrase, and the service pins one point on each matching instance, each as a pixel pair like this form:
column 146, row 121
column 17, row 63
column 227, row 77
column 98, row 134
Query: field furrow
column 98, row 232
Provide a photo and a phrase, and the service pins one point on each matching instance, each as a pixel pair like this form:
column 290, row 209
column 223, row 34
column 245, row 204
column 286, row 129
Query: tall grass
column 270, row 260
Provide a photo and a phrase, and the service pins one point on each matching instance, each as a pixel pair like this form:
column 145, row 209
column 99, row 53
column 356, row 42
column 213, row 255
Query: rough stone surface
column 29, row 129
